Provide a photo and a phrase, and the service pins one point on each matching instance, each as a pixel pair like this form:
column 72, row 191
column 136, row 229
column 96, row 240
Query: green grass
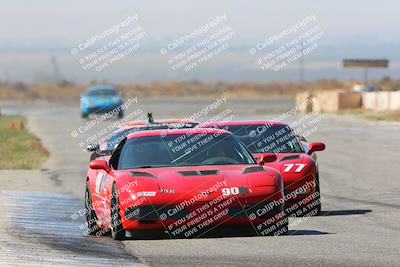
column 18, row 148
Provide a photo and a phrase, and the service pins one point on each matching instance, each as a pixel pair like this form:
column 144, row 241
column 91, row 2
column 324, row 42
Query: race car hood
column 208, row 180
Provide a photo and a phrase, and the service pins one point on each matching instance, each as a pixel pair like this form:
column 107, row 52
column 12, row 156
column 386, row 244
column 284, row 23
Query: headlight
column 146, row 194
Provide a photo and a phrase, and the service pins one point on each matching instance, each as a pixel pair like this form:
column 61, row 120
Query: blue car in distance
column 100, row 100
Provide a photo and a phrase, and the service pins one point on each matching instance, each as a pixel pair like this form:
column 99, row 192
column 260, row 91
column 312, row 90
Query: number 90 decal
column 298, row 167
column 230, row 191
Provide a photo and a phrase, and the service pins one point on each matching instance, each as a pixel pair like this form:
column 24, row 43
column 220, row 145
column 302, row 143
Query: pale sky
column 32, row 31
column 63, row 23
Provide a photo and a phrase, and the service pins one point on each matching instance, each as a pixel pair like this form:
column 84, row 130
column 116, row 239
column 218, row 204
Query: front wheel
column 117, row 230
column 279, row 225
column 316, row 204
column 120, row 115
column 282, row 226
column 316, row 211
column 91, row 218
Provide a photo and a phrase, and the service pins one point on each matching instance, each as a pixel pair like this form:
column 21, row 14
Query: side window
column 116, row 154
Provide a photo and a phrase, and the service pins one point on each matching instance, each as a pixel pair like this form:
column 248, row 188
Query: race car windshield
column 183, row 150
column 105, row 92
column 118, row 137
column 267, row 139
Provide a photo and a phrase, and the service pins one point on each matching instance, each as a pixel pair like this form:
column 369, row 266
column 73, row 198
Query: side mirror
column 267, row 157
column 99, row 164
column 92, row 147
column 313, row 147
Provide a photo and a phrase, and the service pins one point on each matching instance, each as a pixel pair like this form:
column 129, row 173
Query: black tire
column 91, row 217
column 120, row 115
column 117, row 230
column 84, row 115
column 318, row 207
column 316, row 210
column 278, row 226
column 283, row 227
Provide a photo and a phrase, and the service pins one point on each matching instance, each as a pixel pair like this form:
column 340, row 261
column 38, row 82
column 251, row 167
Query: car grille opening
column 154, row 212
column 290, row 157
column 253, row 169
column 199, row 173
column 143, row 174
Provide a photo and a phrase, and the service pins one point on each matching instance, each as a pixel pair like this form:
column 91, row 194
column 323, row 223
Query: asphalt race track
column 360, row 182
column 45, row 235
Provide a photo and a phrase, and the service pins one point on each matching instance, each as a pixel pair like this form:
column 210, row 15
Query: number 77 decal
column 289, row 166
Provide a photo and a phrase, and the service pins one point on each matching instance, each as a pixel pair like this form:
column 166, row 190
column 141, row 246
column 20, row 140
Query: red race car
column 184, row 183
column 297, row 164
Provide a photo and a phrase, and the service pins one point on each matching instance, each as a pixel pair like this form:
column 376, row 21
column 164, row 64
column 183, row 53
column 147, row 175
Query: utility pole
column 6, row 76
column 56, row 71
column 301, row 64
column 366, row 76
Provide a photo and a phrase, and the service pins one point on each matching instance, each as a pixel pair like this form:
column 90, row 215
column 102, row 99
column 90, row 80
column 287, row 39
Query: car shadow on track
column 247, row 232
column 226, row 233
column 307, row 232
column 220, row 233
column 344, row 212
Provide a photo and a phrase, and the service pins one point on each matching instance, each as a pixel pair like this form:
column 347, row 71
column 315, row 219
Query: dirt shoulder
column 387, row 115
